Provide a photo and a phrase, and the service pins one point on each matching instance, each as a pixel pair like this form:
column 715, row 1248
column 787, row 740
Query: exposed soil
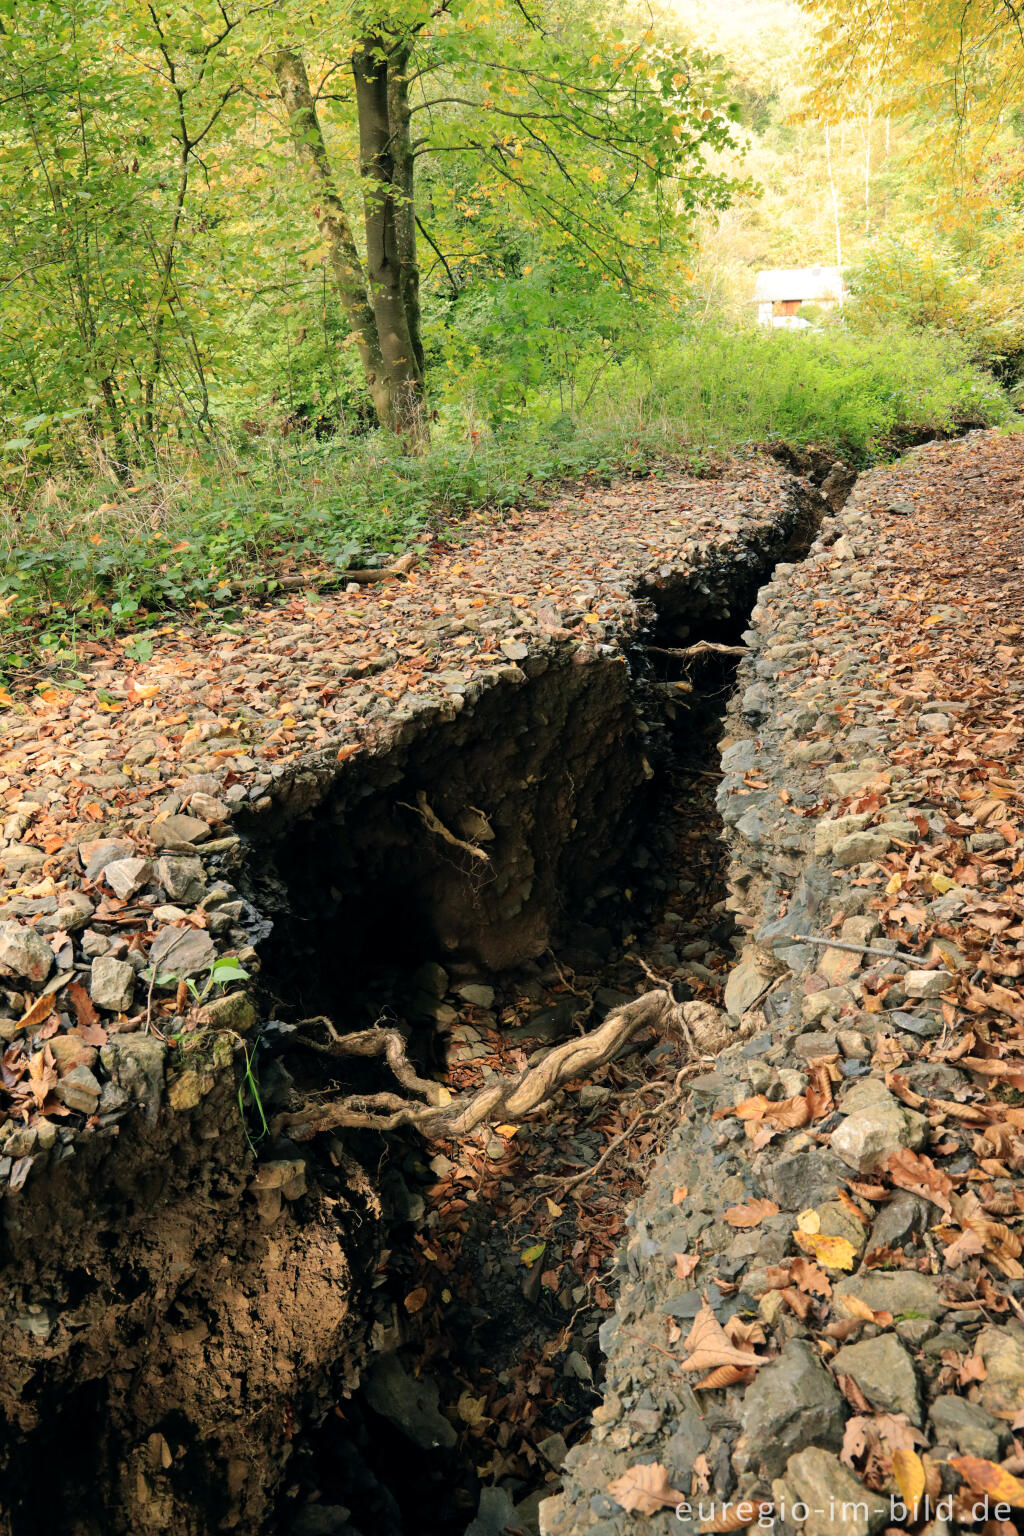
column 207, row 1320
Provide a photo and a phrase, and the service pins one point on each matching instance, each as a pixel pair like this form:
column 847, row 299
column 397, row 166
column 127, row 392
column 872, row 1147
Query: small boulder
column 926, row 983
column 899, row 1291
column 837, row 1503
column 126, row 876
column 182, row 951
column 479, row 996
column 967, row 1427
column 79, row 1089
column 24, row 955
column 791, row 1402
column 1002, row 1392
column 182, row 879
column 884, row 1372
column 233, row 1011
column 111, row 984
column 19, row 858
column 408, row 1402
column 859, row 847
column 178, row 831
column 868, row 1137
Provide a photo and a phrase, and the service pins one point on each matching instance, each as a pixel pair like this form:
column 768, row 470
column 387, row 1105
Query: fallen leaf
column 709, row 1345
column 917, row 1173
column 909, row 1473
column 416, row 1299
column 751, row 1214
column 39, row 1010
column 643, row 1490
column 986, row 1478
column 833, row 1252
column 686, row 1263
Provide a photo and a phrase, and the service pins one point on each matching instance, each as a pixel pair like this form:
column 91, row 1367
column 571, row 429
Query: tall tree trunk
column 405, row 202
column 293, row 83
column 835, row 201
column 383, row 260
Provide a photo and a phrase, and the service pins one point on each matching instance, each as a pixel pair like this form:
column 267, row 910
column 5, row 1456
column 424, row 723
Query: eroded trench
column 587, row 784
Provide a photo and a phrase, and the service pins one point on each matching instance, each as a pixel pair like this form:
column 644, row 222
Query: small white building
column 779, row 293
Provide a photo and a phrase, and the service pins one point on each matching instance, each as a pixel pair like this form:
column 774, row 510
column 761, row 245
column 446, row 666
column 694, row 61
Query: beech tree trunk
column 293, row 83
column 400, row 119
column 383, row 197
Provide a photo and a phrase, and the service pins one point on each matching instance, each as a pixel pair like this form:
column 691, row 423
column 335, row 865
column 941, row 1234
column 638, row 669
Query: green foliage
column 205, row 531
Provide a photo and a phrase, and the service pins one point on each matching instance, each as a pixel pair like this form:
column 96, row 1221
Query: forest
column 512, row 704
column 281, row 287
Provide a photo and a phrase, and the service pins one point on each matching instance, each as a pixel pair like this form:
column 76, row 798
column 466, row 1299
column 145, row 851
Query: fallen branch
column 435, row 824
column 703, row 1028
column 861, row 949
column 300, row 581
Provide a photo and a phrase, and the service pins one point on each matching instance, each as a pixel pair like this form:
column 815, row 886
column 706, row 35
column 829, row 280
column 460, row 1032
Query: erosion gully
column 498, row 1269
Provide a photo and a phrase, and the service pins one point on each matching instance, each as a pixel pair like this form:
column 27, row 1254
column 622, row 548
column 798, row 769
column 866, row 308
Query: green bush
column 206, row 528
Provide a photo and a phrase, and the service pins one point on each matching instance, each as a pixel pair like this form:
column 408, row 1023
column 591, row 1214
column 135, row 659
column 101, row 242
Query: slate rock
column 898, row 1223
column 111, row 983
column 79, row 1089
column 178, row 831
column 408, row 1402
column 97, row 854
column 791, row 1402
column 884, row 1372
column 182, row 951
column 859, row 847
column 837, row 1503
column 480, row 996
column 899, row 1291
column 1002, row 1392
column 804, row 1179
column 19, row 858
column 967, row 1427
column 181, row 879
column 868, row 1137
column 136, row 1063
column 747, row 981
column 24, row 955
column 127, row 876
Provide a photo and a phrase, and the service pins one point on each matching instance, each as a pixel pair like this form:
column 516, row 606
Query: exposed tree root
column 703, row 1029
column 700, row 648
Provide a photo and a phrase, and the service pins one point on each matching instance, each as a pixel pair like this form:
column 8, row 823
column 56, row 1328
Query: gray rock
column 135, row 1062
column 79, row 1089
column 859, row 847
column 692, row 1436
column 968, row 1427
column 495, row 1513
column 181, row 879
column 111, row 983
column 178, row 831
column 72, row 912
column 1002, row 1392
column 18, row 858
column 96, row 856
column 837, row 1503
column 408, row 1402
column 926, row 983
column 479, row 996
column 904, row 1218
column 24, row 956
column 182, row 951
column 126, row 876
column 867, row 1138
column 747, row 981
column 899, row 1291
column 804, row 1179
column 790, row 1403
column 884, row 1372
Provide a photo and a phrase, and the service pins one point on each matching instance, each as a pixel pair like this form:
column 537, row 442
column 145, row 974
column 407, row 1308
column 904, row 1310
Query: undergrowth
column 203, row 530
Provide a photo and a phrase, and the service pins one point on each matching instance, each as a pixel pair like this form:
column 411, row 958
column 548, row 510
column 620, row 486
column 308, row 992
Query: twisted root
column 703, row 1029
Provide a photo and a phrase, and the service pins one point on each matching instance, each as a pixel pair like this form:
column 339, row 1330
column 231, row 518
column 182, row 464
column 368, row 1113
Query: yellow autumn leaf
column 941, row 883
column 894, row 884
column 506, row 1130
column 147, row 690
column 833, row 1252
column 910, row 1478
column 109, row 709
column 591, row 618
column 553, row 1209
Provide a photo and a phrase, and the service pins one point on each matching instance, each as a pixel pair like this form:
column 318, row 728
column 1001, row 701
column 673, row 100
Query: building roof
column 805, row 284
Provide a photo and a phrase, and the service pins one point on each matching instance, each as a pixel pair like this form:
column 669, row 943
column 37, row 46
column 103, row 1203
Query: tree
column 957, row 58
column 599, row 139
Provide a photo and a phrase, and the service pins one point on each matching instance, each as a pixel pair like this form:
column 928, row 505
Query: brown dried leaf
column 686, row 1263
column 750, row 1214
column 643, row 1490
column 918, row 1174
column 990, row 1480
column 709, row 1345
